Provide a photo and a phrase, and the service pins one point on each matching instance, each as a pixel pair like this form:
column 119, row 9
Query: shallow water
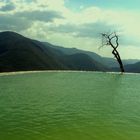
column 69, row 106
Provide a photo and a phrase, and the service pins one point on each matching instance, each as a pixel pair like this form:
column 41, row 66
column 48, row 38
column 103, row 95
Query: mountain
column 72, row 51
column 107, row 62
column 130, row 61
column 78, row 60
column 81, row 61
column 133, row 67
column 18, row 53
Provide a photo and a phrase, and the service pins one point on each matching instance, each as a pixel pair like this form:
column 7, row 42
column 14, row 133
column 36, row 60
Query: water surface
column 69, row 106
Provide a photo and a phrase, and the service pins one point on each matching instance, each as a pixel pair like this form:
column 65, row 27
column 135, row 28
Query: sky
column 76, row 23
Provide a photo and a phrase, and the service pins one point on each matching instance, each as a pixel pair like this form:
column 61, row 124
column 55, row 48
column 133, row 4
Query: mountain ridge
column 109, row 62
column 19, row 53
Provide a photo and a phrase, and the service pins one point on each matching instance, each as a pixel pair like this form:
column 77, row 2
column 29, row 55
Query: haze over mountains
column 18, row 53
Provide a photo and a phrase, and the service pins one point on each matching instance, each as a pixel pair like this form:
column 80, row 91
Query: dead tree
column 113, row 41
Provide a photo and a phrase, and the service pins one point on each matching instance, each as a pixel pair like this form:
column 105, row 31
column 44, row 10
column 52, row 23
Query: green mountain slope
column 107, row 62
column 18, row 53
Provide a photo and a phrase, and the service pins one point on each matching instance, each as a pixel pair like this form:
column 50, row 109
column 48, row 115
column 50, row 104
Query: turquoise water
column 69, row 106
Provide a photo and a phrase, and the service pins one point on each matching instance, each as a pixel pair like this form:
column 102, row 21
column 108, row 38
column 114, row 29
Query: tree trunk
column 117, row 56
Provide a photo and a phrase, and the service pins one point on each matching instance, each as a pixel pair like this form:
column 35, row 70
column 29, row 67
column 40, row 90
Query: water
column 69, row 106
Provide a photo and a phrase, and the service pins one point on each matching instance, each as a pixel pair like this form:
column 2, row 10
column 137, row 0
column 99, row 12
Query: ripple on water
column 60, row 106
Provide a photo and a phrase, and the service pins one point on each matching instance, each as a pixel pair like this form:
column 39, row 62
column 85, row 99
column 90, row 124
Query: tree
column 112, row 40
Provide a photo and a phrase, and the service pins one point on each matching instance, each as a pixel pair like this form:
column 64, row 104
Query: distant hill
column 81, row 61
column 71, row 51
column 18, row 53
column 133, row 67
column 107, row 62
column 76, row 59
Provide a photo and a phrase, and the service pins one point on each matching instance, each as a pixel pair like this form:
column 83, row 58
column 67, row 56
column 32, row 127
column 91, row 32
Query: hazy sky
column 75, row 23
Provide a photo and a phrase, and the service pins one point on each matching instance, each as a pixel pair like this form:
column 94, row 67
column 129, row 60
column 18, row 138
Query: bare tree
column 112, row 40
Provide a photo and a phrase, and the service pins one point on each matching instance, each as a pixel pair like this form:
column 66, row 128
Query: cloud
column 20, row 16
column 128, row 40
column 46, row 16
column 91, row 30
column 7, row 7
column 10, row 22
column 56, row 22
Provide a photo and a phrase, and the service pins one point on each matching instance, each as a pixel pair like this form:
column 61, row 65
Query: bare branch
column 112, row 40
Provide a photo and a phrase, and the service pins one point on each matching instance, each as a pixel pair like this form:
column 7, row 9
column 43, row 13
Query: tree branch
column 108, row 41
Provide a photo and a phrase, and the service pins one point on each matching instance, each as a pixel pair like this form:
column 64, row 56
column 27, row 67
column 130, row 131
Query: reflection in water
column 69, row 106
